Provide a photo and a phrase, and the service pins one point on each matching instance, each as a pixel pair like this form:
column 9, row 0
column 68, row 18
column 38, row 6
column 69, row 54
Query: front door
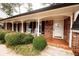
column 58, row 29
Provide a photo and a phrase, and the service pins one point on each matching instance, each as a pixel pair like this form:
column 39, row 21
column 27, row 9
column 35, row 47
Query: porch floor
column 58, row 43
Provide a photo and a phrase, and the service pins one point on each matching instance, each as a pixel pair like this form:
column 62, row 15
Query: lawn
column 26, row 50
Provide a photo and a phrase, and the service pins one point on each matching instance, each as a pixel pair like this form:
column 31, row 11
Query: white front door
column 58, row 29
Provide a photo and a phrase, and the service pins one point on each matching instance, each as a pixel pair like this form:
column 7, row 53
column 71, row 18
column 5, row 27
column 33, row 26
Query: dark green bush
column 18, row 38
column 21, row 38
column 2, row 35
column 28, row 39
column 39, row 43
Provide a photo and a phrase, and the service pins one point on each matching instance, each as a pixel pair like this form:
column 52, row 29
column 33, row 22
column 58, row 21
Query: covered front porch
column 55, row 29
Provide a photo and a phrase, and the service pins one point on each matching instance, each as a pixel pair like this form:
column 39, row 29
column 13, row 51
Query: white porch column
column 70, row 36
column 12, row 26
column 38, row 23
column 6, row 25
column 16, row 27
column 22, row 29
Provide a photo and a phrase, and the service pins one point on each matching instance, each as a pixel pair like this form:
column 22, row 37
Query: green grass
column 26, row 50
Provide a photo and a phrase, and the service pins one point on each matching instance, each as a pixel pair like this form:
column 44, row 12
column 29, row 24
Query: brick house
column 54, row 21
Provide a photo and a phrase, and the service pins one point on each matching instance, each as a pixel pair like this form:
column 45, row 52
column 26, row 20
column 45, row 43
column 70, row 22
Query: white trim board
column 75, row 31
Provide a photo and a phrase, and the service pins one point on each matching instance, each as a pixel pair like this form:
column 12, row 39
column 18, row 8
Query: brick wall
column 66, row 29
column 75, row 43
column 48, row 29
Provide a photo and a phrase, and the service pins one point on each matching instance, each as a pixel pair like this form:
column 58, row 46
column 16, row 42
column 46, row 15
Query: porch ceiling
column 65, row 11
column 54, row 18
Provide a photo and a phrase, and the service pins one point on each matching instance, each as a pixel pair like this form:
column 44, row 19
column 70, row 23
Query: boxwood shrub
column 39, row 43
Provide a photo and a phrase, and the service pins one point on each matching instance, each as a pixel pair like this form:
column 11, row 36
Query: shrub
column 21, row 38
column 28, row 39
column 2, row 35
column 18, row 38
column 12, row 38
column 39, row 43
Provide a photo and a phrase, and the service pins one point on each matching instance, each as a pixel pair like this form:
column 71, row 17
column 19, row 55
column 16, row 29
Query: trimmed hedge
column 18, row 38
column 39, row 43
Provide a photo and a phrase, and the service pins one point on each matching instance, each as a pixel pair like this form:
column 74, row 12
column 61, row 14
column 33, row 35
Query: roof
column 52, row 6
column 75, row 25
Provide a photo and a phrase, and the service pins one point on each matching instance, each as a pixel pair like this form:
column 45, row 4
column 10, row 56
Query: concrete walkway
column 4, row 51
column 49, row 51
column 55, row 51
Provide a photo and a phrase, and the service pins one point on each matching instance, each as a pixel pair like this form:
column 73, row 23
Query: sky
column 2, row 14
